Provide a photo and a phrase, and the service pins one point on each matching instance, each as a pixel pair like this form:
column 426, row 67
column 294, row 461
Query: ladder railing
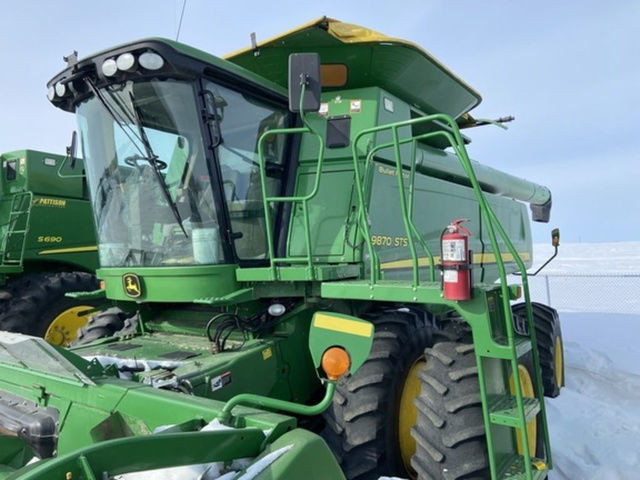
column 302, row 199
column 17, row 226
column 454, row 138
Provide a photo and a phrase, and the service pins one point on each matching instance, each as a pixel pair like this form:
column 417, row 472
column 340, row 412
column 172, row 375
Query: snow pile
column 595, row 422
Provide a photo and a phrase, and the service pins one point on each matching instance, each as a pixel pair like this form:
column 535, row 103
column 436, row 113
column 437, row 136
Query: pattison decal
column 49, row 202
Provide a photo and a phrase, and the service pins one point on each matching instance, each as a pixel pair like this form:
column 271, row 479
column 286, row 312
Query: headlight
column 61, row 89
column 126, row 61
column 109, row 67
column 151, row 61
column 51, row 93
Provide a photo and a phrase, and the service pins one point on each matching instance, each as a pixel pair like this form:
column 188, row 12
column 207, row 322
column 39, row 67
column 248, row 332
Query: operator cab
column 170, row 150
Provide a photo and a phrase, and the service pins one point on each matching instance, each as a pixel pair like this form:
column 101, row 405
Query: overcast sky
column 568, row 71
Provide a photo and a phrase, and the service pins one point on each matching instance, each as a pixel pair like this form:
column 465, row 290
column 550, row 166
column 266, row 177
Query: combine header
column 242, row 222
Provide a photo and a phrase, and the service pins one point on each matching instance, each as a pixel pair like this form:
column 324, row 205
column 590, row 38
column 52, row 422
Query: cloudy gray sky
column 568, row 71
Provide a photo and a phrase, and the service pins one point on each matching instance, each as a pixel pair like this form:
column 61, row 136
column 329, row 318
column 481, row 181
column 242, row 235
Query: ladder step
column 503, row 409
column 511, row 467
column 500, row 348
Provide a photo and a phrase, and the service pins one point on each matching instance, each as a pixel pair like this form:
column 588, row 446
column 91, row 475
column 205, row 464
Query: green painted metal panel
column 309, row 458
column 330, row 329
column 327, row 216
column 172, row 284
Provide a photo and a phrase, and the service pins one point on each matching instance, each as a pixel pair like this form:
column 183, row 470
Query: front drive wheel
column 450, row 429
column 368, row 426
column 36, row 305
column 450, row 433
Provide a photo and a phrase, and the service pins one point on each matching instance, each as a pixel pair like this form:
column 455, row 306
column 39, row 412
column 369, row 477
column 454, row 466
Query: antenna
column 254, row 45
column 184, row 4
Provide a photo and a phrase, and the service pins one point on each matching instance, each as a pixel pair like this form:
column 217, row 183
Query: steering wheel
column 132, row 160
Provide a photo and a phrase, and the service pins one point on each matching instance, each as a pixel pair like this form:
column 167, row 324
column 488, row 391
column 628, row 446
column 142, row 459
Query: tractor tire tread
column 360, row 417
column 29, row 297
column 547, row 324
column 454, row 446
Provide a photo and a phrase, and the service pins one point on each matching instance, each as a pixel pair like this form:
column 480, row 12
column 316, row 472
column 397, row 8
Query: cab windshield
column 147, row 173
column 152, row 192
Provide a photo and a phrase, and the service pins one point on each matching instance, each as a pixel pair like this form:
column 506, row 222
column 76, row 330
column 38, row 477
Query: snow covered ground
column 597, row 277
column 595, row 422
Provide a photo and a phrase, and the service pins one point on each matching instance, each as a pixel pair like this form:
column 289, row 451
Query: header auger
column 243, row 223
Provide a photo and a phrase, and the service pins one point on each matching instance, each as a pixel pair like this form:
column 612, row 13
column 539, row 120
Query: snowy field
column 597, row 277
column 595, row 423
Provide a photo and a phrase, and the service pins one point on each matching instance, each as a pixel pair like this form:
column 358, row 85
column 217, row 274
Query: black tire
column 450, row 432
column 362, row 423
column 107, row 323
column 31, row 302
column 548, row 331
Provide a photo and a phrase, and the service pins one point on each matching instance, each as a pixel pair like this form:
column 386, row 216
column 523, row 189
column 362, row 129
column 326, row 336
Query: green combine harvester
column 48, row 247
column 306, row 301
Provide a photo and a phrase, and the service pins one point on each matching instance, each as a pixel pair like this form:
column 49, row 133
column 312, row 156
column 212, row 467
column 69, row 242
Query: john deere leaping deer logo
column 131, row 285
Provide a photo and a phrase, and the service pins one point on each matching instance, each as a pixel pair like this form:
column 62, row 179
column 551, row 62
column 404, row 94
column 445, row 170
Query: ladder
column 17, row 228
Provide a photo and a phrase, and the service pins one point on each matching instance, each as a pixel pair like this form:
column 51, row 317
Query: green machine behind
column 47, row 247
column 279, row 251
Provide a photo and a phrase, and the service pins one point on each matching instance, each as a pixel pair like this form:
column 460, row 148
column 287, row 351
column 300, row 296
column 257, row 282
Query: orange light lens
column 103, row 285
column 335, row 362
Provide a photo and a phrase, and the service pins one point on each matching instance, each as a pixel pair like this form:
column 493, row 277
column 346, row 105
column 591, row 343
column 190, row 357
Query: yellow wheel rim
column 408, row 415
column 559, row 362
column 64, row 328
column 526, row 386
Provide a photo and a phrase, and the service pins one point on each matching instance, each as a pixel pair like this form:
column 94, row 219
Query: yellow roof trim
column 276, row 37
column 351, row 33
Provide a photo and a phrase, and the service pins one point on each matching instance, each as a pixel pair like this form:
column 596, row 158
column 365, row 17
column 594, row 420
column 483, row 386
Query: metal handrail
column 303, row 199
column 490, row 219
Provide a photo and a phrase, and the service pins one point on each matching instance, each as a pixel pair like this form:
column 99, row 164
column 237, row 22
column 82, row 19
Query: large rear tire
column 550, row 345
column 368, row 425
column 35, row 304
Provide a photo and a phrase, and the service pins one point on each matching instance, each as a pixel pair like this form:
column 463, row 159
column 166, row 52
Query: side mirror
column 304, row 69
column 211, row 103
column 71, row 150
column 555, row 237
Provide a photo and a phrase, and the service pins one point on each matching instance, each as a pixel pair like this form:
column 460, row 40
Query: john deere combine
column 243, row 224
column 47, row 246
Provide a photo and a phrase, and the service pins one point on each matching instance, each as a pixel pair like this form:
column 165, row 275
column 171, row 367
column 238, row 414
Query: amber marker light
column 335, row 363
column 103, row 285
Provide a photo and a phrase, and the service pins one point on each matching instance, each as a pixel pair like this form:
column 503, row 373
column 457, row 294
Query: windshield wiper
column 150, row 157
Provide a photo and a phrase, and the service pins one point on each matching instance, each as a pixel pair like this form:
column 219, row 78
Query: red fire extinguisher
column 456, row 261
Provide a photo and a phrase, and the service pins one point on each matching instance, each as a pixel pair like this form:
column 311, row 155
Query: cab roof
column 371, row 58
